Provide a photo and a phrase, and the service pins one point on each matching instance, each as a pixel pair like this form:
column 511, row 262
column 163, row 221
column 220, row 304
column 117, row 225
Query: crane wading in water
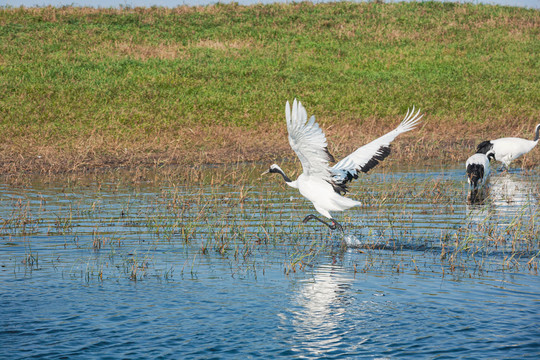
column 509, row 149
column 477, row 167
column 324, row 185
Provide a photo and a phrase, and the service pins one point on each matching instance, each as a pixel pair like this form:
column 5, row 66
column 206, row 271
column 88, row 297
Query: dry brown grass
column 443, row 140
column 75, row 101
column 144, row 51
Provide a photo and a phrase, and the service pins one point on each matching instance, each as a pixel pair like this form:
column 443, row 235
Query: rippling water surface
column 223, row 268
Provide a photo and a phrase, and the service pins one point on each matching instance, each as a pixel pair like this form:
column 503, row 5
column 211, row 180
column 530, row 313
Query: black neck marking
column 475, row 172
column 279, row 171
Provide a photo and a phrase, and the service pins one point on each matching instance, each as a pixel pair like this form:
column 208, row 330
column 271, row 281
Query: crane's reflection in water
column 513, row 193
column 507, row 196
column 324, row 302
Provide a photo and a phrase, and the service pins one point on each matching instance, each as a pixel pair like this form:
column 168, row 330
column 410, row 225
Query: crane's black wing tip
column 380, row 155
column 330, row 156
column 340, row 186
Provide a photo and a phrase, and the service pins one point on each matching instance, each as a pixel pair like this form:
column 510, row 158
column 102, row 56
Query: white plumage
column 324, row 185
column 509, row 149
column 369, row 155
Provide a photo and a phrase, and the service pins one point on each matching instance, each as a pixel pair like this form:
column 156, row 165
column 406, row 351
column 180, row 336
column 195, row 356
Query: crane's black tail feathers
column 484, row 147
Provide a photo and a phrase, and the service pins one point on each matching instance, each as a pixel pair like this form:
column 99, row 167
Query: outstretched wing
column 308, row 141
column 368, row 156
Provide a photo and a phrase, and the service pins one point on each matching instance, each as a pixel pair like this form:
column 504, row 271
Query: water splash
column 352, row 241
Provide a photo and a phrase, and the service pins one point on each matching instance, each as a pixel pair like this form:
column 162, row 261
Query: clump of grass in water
column 224, row 216
column 458, row 247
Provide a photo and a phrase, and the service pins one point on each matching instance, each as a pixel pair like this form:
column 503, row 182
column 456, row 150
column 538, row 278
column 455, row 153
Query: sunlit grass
column 87, row 88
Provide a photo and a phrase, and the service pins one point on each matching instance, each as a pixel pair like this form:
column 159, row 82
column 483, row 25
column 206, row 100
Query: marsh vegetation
column 168, row 251
column 118, row 227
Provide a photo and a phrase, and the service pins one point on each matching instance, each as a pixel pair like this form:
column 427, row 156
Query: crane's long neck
column 537, row 134
column 285, row 177
column 289, row 182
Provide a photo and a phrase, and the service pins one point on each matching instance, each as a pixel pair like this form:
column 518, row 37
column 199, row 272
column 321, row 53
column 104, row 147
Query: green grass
column 142, row 75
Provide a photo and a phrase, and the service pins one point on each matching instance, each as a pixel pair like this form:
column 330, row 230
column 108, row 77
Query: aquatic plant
column 108, row 228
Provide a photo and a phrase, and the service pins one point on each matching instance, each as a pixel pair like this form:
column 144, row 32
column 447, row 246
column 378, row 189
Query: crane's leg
column 474, row 197
column 335, row 225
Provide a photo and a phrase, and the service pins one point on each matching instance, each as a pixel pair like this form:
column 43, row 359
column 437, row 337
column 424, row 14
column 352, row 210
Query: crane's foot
column 333, row 226
column 336, row 225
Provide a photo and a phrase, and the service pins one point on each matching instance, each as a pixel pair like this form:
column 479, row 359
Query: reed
column 120, row 228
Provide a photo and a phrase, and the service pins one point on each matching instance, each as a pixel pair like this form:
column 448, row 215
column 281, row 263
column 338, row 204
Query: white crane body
column 324, row 185
column 509, row 149
column 478, row 169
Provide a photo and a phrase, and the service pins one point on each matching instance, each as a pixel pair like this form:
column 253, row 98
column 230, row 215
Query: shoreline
column 231, row 145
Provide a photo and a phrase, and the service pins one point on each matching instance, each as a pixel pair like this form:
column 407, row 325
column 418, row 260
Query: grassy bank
column 94, row 88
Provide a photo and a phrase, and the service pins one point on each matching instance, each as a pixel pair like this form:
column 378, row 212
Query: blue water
column 330, row 313
column 534, row 4
column 64, row 297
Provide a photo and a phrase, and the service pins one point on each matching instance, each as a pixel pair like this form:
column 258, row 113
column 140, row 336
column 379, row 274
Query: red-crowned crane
column 509, row 149
column 324, row 185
